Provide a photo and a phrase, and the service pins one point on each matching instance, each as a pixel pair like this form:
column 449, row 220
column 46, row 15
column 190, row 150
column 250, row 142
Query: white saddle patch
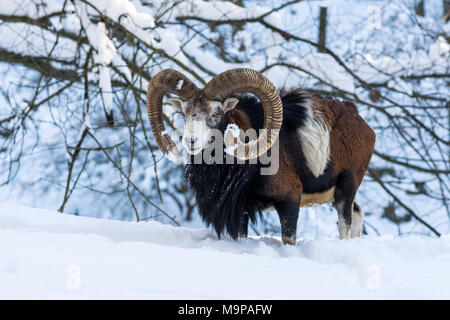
column 315, row 141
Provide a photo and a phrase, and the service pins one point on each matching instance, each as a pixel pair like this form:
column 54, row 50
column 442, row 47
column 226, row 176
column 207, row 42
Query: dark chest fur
column 224, row 192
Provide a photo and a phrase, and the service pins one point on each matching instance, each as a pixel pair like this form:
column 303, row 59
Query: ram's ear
column 229, row 104
column 176, row 102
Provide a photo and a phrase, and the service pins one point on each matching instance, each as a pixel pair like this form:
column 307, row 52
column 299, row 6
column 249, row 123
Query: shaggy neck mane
column 224, row 194
column 224, row 191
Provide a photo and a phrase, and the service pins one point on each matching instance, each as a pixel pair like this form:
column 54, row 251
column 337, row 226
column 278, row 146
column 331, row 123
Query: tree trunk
column 446, row 10
column 322, row 29
column 420, row 8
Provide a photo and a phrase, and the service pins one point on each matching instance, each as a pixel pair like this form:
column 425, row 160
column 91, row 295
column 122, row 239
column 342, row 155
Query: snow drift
column 45, row 254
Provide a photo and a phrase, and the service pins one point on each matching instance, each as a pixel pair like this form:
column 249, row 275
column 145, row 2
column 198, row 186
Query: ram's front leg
column 243, row 225
column 288, row 213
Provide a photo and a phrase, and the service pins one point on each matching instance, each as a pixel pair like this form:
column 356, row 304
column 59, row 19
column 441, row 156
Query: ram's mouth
column 193, row 151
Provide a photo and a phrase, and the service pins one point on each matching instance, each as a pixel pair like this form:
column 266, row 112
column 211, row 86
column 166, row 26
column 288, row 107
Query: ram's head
column 203, row 110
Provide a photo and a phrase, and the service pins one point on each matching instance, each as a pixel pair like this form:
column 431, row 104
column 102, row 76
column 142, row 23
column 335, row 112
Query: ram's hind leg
column 344, row 196
column 344, row 210
column 357, row 221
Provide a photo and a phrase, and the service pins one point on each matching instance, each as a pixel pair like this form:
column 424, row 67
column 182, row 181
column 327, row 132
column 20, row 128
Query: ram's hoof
column 289, row 240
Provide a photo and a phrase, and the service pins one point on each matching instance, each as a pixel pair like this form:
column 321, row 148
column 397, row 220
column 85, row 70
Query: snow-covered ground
column 45, row 254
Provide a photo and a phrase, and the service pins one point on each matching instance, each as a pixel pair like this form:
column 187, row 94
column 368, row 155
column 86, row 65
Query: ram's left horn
column 164, row 82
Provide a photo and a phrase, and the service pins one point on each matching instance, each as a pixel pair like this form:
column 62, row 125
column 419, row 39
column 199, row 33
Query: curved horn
column 166, row 81
column 249, row 80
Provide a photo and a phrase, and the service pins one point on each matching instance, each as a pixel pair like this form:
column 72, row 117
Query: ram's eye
column 214, row 119
column 215, row 115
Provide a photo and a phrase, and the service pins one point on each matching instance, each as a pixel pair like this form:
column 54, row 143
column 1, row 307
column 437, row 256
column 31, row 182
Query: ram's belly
column 311, row 199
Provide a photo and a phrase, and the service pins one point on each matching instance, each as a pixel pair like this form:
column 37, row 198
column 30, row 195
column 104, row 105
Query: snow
column 328, row 70
column 221, row 10
column 234, row 130
column 231, row 149
column 174, row 157
column 45, row 254
column 168, row 43
column 106, row 53
column 180, row 84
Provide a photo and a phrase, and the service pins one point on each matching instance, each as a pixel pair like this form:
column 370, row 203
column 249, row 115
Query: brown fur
column 284, row 184
column 295, row 184
column 239, row 118
column 351, row 139
column 351, row 144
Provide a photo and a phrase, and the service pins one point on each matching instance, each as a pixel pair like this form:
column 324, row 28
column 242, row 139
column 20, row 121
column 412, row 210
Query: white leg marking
column 357, row 222
column 344, row 228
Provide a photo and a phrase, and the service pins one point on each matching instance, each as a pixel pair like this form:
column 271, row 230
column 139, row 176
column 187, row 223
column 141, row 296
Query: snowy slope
column 44, row 254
